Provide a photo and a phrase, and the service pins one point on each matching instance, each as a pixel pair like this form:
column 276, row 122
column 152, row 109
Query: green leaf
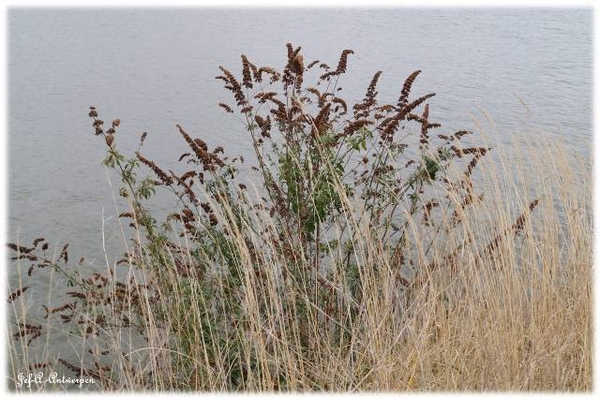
column 431, row 167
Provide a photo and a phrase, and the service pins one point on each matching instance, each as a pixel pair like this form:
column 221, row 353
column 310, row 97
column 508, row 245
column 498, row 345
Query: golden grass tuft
column 520, row 320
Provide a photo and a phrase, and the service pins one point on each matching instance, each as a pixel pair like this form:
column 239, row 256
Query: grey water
column 528, row 69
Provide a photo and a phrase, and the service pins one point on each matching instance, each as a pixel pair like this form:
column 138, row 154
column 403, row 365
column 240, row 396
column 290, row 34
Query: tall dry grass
column 518, row 321
column 444, row 269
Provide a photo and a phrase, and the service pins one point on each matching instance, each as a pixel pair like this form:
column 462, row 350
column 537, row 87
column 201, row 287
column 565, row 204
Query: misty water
column 529, row 70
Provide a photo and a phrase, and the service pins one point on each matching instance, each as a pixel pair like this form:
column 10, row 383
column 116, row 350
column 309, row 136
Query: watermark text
column 27, row 380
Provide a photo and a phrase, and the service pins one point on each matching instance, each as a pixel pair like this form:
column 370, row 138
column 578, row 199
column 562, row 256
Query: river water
column 530, row 70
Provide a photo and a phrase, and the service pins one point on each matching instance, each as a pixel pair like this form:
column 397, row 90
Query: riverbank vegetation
column 363, row 248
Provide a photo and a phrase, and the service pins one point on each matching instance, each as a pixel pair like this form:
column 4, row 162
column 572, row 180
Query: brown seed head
column 109, row 139
column 298, row 64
